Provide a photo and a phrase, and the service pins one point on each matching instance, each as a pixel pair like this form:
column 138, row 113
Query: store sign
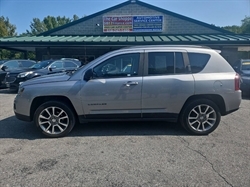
column 132, row 23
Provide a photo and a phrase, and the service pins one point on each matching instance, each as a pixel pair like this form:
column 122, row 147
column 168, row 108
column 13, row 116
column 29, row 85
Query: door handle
column 129, row 83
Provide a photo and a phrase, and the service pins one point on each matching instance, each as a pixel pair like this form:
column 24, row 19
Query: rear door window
column 198, row 61
column 165, row 63
column 27, row 63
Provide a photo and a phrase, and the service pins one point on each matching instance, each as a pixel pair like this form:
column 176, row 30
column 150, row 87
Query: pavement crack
column 206, row 159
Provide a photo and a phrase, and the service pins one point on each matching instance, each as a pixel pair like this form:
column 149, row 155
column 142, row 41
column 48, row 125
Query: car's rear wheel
column 54, row 119
column 200, row 117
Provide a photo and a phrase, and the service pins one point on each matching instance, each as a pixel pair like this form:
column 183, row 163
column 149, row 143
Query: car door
column 167, row 83
column 115, row 90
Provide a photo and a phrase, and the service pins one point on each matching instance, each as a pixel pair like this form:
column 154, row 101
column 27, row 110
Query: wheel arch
column 217, row 99
column 42, row 99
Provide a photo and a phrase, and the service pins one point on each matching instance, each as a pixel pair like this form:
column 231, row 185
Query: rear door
column 167, row 83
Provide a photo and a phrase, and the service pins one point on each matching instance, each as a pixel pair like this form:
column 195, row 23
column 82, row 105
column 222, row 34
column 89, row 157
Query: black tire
column 55, row 119
column 200, row 117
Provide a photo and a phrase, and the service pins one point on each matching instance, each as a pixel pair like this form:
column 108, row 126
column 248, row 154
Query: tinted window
column 120, row 66
column 162, row 63
column 198, row 61
column 179, row 64
column 41, row 65
column 26, row 63
column 12, row 64
column 57, row 64
column 70, row 65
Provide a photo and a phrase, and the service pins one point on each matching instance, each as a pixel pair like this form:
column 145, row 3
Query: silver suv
column 190, row 85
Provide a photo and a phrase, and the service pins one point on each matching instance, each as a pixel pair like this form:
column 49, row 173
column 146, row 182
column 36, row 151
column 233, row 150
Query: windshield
column 41, row 65
column 245, row 65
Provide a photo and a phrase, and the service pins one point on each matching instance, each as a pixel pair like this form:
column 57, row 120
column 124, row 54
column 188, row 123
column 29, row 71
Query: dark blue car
column 243, row 68
column 13, row 78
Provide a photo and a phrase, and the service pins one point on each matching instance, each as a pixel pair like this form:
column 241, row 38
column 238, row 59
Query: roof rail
column 150, row 46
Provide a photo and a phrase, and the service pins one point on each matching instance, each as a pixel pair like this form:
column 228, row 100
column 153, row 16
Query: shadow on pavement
column 14, row 128
column 7, row 91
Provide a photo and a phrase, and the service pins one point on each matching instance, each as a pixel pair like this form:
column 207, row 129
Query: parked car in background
column 243, row 68
column 13, row 78
column 191, row 85
column 2, row 61
column 11, row 65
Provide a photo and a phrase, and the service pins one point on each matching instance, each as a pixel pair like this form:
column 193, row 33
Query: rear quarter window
column 198, row 61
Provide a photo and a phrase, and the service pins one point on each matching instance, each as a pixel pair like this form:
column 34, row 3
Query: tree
column 235, row 29
column 37, row 26
column 243, row 29
column 6, row 28
column 245, row 26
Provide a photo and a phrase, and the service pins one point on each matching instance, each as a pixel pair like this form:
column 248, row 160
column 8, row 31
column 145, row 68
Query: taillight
column 237, row 82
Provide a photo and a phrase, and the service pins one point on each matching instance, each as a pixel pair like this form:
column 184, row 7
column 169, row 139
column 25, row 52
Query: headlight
column 25, row 74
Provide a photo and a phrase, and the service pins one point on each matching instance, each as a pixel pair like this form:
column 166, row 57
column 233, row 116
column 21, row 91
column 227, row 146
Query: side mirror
column 4, row 68
column 88, row 75
column 51, row 68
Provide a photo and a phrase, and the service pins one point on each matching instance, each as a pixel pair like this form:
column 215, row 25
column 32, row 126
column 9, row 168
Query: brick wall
column 171, row 25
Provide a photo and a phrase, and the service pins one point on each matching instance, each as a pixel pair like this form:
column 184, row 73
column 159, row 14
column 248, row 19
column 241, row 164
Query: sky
column 217, row 12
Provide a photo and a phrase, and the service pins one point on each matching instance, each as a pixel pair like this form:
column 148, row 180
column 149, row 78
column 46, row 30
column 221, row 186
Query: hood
column 57, row 77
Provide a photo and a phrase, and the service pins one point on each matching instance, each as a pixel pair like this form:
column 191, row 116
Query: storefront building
column 130, row 23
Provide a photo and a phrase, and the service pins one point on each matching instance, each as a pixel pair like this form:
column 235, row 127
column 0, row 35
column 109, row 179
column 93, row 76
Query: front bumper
column 13, row 83
column 23, row 117
column 21, row 108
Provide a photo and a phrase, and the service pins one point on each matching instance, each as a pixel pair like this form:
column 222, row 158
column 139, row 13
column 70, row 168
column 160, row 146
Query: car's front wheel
column 200, row 117
column 54, row 119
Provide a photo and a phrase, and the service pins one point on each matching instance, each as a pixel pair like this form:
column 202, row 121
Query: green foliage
column 6, row 28
column 235, row 29
column 245, row 26
column 37, row 26
column 243, row 29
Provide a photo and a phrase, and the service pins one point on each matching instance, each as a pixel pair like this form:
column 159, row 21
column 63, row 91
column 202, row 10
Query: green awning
column 188, row 39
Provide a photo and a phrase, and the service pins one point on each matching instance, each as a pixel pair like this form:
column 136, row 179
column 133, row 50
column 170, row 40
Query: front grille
column 10, row 79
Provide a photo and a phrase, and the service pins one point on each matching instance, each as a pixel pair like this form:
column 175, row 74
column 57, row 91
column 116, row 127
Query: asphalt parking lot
column 124, row 154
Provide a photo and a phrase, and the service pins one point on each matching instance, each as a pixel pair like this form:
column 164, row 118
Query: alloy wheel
column 53, row 120
column 202, row 118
